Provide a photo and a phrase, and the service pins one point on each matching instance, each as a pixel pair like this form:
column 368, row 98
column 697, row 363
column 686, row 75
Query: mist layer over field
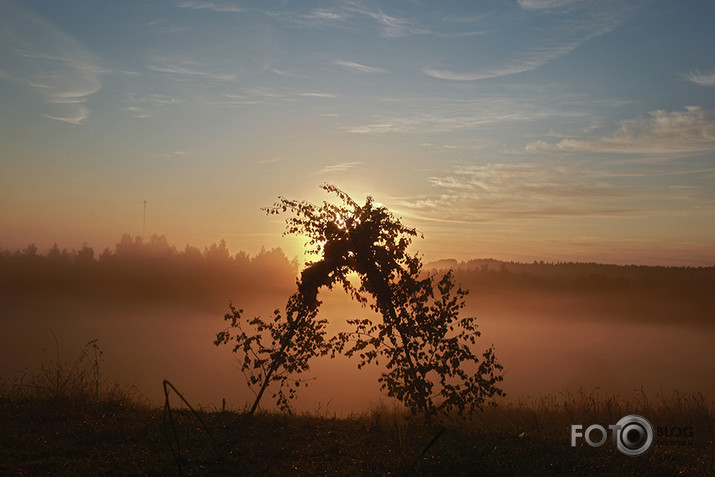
column 556, row 328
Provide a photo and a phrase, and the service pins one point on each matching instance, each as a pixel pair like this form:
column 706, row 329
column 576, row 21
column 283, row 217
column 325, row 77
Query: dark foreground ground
column 62, row 436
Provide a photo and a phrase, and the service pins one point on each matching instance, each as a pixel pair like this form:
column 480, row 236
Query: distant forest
column 139, row 271
column 582, row 277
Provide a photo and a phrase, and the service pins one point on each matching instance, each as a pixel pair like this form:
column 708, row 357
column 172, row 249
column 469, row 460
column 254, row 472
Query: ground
column 61, row 436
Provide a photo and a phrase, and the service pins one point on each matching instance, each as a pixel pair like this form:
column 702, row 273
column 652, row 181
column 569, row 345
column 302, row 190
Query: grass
column 65, row 420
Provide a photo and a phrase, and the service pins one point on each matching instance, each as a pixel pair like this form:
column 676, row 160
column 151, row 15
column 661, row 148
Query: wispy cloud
column 162, row 25
column 530, row 60
column 421, row 123
column 315, row 94
column 544, row 4
column 447, row 116
column 341, row 167
column 272, row 160
column 485, row 193
column 357, row 67
column 316, row 18
column 145, row 106
column 703, row 79
column 289, row 74
column 327, row 14
column 176, row 154
column 41, row 56
column 507, row 192
column 352, row 13
column 390, row 26
column 660, row 132
column 183, row 69
column 560, row 36
column 256, row 96
column 262, row 94
column 213, row 6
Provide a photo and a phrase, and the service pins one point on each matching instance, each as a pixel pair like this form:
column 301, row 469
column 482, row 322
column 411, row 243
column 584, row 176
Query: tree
column 84, row 256
column 428, row 347
column 278, row 349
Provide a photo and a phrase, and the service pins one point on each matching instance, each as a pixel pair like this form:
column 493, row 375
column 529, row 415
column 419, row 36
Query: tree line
column 491, row 274
column 155, row 270
column 146, row 271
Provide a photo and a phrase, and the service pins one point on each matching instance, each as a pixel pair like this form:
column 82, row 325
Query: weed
column 77, row 383
column 65, row 420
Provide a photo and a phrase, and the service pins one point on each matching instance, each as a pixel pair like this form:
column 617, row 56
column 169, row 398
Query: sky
column 558, row 130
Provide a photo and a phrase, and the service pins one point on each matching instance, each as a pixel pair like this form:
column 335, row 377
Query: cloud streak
column 425, row 123
column 544, row 4
column 661, row 132
column 530, row 60
column 352, row 14
column 183, row 69
column 341, row 167
column 315, row 94
column 213, row 6
column 702, row 79
column 390, row 26
column 501, row 192
column 563, row 34
column 429, row 116
column 50, row 62
column 145, row 106
column 358, row 67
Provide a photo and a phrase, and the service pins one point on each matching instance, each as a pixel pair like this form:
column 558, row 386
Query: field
column 581, row 344
column 64, row 421
column 357, row 237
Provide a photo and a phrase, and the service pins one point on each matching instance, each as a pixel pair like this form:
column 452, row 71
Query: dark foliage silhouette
column 425, row 344
column 279, row 349
column 138, row 271
column 144, row 272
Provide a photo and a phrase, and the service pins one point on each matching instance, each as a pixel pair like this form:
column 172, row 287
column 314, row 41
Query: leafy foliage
column 139, row 272
column 431, row 367
column 278, row 349
column 426, row 345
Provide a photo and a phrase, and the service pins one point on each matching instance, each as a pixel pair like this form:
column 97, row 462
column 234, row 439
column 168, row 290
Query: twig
column 167, row 412
column 424, row 451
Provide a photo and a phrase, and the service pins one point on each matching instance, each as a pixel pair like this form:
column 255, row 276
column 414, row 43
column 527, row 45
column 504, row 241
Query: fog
column 542, row 353
column 549, row 341
column 550, row 345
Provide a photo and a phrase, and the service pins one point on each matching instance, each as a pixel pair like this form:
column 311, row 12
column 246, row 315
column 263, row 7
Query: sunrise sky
column 519, row 130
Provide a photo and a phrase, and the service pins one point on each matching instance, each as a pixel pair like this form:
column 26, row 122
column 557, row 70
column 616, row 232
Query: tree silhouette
column 295, row 338
column 427, row 346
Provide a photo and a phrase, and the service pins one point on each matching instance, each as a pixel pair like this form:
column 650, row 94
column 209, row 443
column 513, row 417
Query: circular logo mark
column 633, row 435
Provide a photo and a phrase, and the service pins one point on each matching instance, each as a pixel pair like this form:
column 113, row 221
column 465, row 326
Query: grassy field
column 115, row 437
column 64, row 420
